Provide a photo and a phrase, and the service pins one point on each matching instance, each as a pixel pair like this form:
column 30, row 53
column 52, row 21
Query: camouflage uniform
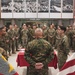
column 3, row 42
column 5, row 37
column 30, row 37
column 24, row 38
column 45, row 36
column 3, row 47
column 57, row 41
column 33, row 34
column 51, row 36
column 63, row 50
column 11, row 40
column 38, row 50
column 16, row 33
column 67, row 34
column 70, row 34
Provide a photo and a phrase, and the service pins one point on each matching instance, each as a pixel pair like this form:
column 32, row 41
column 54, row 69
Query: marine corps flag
column 69, row 66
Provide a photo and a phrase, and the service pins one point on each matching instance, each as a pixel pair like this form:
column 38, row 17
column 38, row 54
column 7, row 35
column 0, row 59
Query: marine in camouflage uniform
column 30, row 36
column 33, row 31
column 70, row 34
column 11, row 39
column 51, row 35
column 7, row 43
column 2, row 43
column 24, row 36
column 16, row 34
column 38, row 50
column 58, row 38
column 45, row 36
column 67, row 34
column 63, row 48
column 6, row 40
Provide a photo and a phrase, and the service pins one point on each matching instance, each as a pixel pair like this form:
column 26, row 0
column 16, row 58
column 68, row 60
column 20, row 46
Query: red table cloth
column 22, row 62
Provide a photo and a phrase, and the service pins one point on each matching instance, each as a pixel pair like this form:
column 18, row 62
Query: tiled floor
column 22, row 70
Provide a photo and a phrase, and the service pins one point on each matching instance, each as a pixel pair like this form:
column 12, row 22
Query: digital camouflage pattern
column 63, row 50
column 3, row 45
column 51, row 36
column 24, row 37
column 70, row 34
column 11, row 36
column 57, row 42
column 38, row 50
column 30, row 36
column 45, row 36
column 16, row 34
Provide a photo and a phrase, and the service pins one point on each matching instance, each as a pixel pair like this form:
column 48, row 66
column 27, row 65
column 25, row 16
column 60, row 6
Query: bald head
column 38, row 33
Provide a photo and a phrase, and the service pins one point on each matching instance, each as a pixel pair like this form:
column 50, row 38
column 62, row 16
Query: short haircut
column 63, row 28
column 38, row 30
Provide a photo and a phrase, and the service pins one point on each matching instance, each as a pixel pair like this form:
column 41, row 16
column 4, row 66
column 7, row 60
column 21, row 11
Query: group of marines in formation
column 14, row 37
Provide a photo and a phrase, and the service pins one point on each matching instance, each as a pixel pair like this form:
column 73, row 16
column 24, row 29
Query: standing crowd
column 5, row 67
column 60, row 38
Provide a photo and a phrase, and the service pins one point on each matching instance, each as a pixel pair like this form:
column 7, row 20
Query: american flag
column 69, row 66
